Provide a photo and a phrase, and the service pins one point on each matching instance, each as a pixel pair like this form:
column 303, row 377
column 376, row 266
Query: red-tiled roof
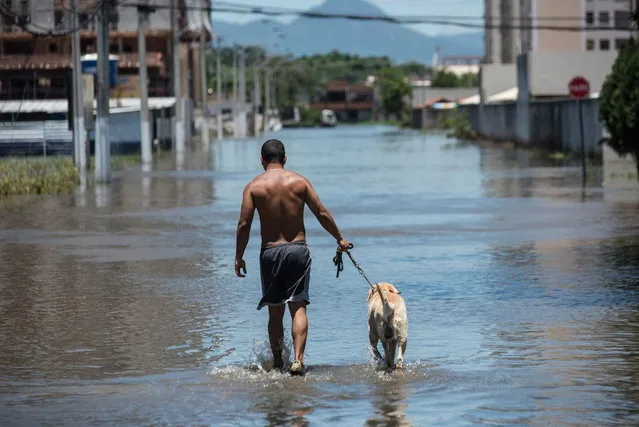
column 433, row 101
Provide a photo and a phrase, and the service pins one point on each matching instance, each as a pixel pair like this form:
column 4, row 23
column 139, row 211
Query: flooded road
column 119, row 306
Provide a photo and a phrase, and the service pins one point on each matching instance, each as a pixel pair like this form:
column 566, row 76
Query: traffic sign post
column 579, row 88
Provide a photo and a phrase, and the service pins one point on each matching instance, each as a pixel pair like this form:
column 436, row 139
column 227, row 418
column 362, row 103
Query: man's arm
column 323, row 215
column 244, row 230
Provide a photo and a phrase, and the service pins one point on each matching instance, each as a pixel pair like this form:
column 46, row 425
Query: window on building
column 604, row 44
column 86, row 21
column 58, row 17
column 53, row 48
column 620, row 43
column 127, row 48
column 622, row 20
column 590, row 18
column 604, row 18
column 590, row 44
column 114, row 19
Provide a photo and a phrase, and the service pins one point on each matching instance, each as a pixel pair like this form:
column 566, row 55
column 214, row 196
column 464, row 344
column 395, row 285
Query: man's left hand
column 240, row 266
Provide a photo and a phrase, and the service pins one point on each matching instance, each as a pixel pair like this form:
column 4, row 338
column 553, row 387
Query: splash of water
column 260, row 357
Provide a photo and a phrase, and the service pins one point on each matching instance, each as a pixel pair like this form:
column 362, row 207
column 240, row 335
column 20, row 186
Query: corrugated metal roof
column 475, row 99
column 52, row 106
column 507, row 95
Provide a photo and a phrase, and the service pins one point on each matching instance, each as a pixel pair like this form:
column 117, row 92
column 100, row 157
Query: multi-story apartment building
column 608, row 13
column 39, row 67
column 519, row 26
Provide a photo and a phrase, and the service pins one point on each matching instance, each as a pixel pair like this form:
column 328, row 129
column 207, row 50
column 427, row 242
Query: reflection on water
column 119, row 306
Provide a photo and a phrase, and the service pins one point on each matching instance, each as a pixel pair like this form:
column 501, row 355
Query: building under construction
column 38, row 66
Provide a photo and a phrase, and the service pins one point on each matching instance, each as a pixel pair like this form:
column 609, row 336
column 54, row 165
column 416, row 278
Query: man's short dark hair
column 273, row 150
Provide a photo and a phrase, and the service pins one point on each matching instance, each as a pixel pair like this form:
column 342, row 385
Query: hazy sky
column 391, row 7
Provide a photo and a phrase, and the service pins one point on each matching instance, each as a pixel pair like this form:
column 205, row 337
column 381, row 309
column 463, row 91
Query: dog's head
column 385, row 287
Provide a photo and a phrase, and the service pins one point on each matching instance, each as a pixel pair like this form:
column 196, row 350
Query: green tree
column 619, row 102
column 443, row 78
column 395, row 92
column 413, row 67
column 302, row 79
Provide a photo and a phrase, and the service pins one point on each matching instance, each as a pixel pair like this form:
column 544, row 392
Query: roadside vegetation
column 619, row 103
column 459, row 127
column 45, row 175
column 395, row 90
column 48, row 175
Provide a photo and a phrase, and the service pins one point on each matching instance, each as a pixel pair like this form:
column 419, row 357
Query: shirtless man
column 279, row 196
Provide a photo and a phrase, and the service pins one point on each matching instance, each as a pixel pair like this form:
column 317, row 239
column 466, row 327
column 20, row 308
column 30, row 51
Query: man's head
column 273, row 152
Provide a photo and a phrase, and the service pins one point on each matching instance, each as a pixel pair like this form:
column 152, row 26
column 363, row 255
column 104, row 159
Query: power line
column 291, row 11
column 433, row 20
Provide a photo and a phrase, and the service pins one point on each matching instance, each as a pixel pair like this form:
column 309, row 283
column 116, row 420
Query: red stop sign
column 579, row 87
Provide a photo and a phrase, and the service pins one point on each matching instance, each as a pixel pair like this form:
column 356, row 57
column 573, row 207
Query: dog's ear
column 370, row 295
column 393, row 289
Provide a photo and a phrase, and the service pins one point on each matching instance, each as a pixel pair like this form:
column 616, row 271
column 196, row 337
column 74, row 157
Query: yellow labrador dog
column 388, row 323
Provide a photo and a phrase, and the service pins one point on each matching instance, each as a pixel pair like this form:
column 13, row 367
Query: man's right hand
column 343, row 245
column 240, row 266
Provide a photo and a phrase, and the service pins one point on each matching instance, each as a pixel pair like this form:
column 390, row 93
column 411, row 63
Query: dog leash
column 339, row 263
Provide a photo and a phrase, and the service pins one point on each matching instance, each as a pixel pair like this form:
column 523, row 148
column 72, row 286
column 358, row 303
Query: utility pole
column 145, row 126
column 219, row 89
column 274, row 96
column 204, row 92
column 102, row 143
column 79, row 141
column 177, row 80
column 242, row 97
column 235, row 95
column 267, row 96
column 256, row 98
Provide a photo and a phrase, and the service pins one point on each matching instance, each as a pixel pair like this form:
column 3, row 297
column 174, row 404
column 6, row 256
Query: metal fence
column 552, row 124
column 53, row 137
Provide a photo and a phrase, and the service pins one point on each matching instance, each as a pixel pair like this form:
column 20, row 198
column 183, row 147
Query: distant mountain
column 307, row 36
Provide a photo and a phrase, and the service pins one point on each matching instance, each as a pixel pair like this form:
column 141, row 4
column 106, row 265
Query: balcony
column 62, row 61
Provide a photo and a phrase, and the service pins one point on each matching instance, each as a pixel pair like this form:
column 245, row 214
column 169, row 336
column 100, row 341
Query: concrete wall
column 495, row 121
column 421, row 94
column 428, row 118
column 496, row 78
column 553, row 125
column 548, row 73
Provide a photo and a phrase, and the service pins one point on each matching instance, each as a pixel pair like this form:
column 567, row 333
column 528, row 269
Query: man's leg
column 300, row 328
column 276, row 333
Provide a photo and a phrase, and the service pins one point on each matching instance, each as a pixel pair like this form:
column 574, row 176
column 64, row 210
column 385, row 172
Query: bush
column 53, row 175
column 310, row 117
column 458, row 124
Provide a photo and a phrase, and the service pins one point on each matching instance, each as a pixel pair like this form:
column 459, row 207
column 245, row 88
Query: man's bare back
column 279, row 197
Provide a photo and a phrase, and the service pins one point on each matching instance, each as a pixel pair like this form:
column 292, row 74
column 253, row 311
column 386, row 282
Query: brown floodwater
column 119, row 305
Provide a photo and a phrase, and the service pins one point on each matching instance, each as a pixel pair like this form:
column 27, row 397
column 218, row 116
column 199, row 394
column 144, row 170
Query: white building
column 505, row 38
column 604, row 13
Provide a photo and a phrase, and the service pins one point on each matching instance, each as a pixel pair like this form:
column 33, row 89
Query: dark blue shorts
column 286, row 273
